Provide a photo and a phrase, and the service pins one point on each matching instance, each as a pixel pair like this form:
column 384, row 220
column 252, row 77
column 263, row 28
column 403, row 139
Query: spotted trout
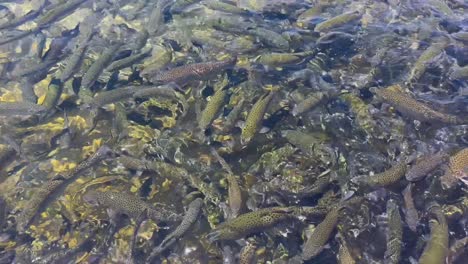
column 249, row 223
column 426, row 57
column 128, row 204
column 190, row 217
column 436, row 249
column 411, row 108
column 193, row 72
column 321, row 234
column 337, row 21
column 457, row 169
column 47, row 193
column 395, row 234
column 383, row 179
column 411, row 214
column 255, row 117
column 425, row 165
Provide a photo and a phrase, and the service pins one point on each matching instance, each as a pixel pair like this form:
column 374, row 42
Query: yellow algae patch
column 122, row 244
column 100, row 180
column 78, row 122
column 40, row 88
column 154, row 190
column 147, row 229
column 11, row 95
column 50, row 229
column 72, row 20
column 37, row 245
column 166, row 184
column 62, row 166
column 41, row 99
column 144, row 133
column 167, row 121
column 53, row 126
column 243, row 61
column 91, row 149
column 136, row 184
column 4, row 57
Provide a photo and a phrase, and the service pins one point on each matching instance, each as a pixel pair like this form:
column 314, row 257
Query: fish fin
column 58, row 177
column 264, row 130
column 240, row 124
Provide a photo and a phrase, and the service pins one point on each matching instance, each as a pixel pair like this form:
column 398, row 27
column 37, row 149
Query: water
column 275, row 113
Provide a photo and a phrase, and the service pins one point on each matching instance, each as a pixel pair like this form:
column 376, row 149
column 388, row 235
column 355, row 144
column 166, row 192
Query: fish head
column 91, row 197
column 245, row 141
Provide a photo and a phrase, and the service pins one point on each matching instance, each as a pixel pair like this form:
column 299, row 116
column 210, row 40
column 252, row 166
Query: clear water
column 113, row 113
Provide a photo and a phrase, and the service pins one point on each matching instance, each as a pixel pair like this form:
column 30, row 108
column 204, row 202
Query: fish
column 361, row 111
column 234, row 191
column 312, row 101
column 419, row 67
column 436, row 249
column 155, row 24
column 73, row 62
column 58, row 49
column 161, row 56
column 395, row 233
column 224, row 7
column 344, row 254
column 231, row 118
column 461, row 36
column 163, row 91
column 129, row 61
column 128, row 204
column 213, row 105
column 234, row 196
column 179, row 5
column 255, row 117
column 48, row 192
column 21, row 108
column 383, row 179
column 311, row 13
column 54, row 91
column 249, row 223
column 457, row 169
column 248, row 252
column 112, row 96
column 337, row 21
column 411, row 214
column 58, row 11
column 440, row 7
column 425, row 165
column 189, row 219
column 457, row 249
column 17, row 35
column 275, row 59
column 95, row 70
column 193, row 72
column 231, row 24
column 411, row 108
column 20, row 20
column 307, row 142
column 269, row 38
column 320, row 236
column 458, row 73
